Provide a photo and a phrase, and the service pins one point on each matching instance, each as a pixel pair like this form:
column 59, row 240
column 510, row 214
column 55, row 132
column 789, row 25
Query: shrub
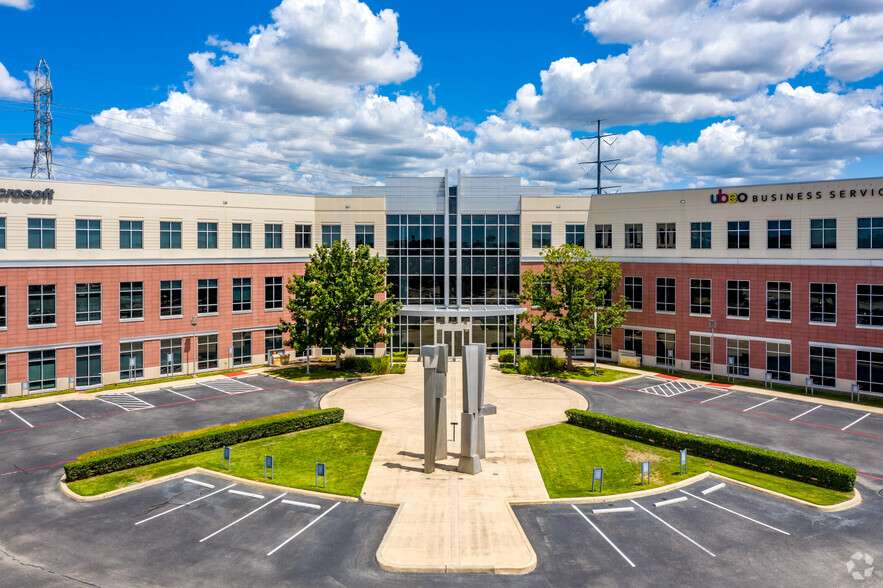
column 803, row 469
column 399, row 356
column 539, row 365
column 150, row 451
column 507, row 355
column 366, row 365
column 397, row 368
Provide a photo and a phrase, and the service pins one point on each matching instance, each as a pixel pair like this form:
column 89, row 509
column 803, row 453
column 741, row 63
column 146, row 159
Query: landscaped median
column 566, row 454
column 296, row 440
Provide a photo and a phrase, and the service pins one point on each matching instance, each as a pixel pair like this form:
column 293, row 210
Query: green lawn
column 584, row 373
column 346, row 449
column 317, row 372
column 566, row 455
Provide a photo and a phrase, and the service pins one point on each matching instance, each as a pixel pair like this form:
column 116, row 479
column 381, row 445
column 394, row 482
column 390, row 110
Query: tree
column 566, row 293
column 335, row 303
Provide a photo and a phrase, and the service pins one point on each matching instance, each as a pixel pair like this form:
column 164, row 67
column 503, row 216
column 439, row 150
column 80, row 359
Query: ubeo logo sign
column 17, row 194
column 740, row 197
column 723, row 198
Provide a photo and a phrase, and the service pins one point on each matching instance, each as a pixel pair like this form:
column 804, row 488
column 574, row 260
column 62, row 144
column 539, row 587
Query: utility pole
column 42, row 123
column 586, row 166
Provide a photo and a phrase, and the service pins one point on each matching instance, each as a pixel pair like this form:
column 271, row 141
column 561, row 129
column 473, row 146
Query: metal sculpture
column 435, row 379
column 472, row 443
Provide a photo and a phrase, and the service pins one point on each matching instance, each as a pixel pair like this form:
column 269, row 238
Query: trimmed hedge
column 506, row 355
column 539, row 365
column 148, row 451
column 803, row 469
column 367, row 365
column 400, row 356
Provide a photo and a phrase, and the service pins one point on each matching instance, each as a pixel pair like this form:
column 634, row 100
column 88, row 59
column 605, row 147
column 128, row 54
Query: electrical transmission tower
column 42, row 122
column 587, row 166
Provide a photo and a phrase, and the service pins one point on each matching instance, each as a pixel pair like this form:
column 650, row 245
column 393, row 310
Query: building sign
column 17, row 194
column 722, row 197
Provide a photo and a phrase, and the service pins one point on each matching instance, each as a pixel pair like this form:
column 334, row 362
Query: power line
column 42, row 122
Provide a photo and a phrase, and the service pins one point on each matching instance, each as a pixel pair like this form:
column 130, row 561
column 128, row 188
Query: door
column 455, row 337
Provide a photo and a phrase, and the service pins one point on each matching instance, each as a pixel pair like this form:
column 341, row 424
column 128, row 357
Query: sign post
column 598, row 476
column 595, row 347
column 132, row 365
column 645, row 471
column 268, row 463
column 855, row 391
column 320, row 473
column 229, row 358
column 170, row 363
column 225, row 463
column 683, row 468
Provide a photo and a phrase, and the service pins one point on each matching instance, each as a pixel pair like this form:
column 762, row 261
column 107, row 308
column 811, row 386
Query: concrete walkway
column 447, row 521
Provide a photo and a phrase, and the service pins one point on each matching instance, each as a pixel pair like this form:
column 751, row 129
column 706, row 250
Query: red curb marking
column 716, row 385
column 869, row 476
column 231, row 374
column 666, row 377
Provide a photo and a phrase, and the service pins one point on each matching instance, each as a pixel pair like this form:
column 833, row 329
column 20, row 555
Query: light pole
column 713, row 324
column 193, row 322
column 595, row 347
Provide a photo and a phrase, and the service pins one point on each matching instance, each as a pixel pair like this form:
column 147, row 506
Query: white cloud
column 856, row 48
column 20, row 4
column 12, row 88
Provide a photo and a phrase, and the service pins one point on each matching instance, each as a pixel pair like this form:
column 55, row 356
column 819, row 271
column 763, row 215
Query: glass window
column 170, row 298
column 272, row 236
column 869, row 305
column 665, row 294
column 541, row 236
column 823, row 233
column 634, row 341
column 2, row 307
column 365, row 235
column 330, row 235
column 241, row 235
column 303, row 236
column 88, row 302
column 131, row 361
column 207, row 352
column 273, row 293
column 207, row 296
column 603, row 236
column 170, row 234
column 822, row 303
column 41, row 233
column 700, row 297
column 131, row 300
column 241, row 349
column 665, row 349
column 3, row 246
column 700, row 353
column 41, row 304
column 778, row 301
column 700, row 235
column 738, row 235
column 241, row 294
column 575, row 235
column 634, row 236
column 778, row 234
column 604, row 346
column 823, row 366
column 272, row 340
column 540, row 347
column 207, row 235
column 634, row 292
column 131, row 234
column 870, row 233
column 869, row 370
column 738, row 298
column 2, row 375
column 665, row 235
column 41, row 370
column 171, row 356
column 88, row 233
column 737, row 357
column 778, row 361
column 88, row 365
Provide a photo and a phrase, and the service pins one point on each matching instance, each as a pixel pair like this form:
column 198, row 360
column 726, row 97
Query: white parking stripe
column 673, row 529
column 198, row 483
column 178, row 393
column 314, row 521
column 715, row 397
column 21, row 419
column 805, row 413
column 242, row 518
column 613, row 545
column 70, row 411
column 249, row 494
column 306, row 504
column 855, row 422
column 183, row 505
column 737, row 513
column 213, row 388
column 758, row 405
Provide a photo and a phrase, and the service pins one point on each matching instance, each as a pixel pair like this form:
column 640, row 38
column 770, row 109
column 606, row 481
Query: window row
column 88, row 301
column 822, row 300
column 42, row 233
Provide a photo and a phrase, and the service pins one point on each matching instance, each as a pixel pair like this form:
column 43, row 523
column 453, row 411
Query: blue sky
column 314, row 95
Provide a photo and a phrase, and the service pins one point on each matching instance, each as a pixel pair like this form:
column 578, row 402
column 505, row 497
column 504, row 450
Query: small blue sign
column 320, row 469
column 226, row 453
column 268, row 461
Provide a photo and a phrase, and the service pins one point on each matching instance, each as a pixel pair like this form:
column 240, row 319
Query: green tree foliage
column 566, row 293
column 335, row 303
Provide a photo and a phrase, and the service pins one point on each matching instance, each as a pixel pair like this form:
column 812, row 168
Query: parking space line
column 165, row 512
column 314, row 521
column 855, row 422
column 178, row 393
column 805, row 413
column 70, row 411
column 306, row 504
column 715, row 397
column 21, row 419
column 673, row 529
column 736, row 513
column 759, row 405
column 242, row 518
column 612, row 544
column 198, row 483
column 213, row 388
column 249, row 494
